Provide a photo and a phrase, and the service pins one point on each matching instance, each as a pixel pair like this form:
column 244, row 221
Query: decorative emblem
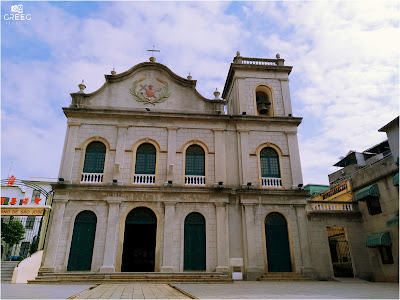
column 149, row 94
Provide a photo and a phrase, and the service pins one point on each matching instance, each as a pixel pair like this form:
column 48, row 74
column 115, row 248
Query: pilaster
column 220, row 158
column 222, row 243
column 168, row 237
column 171, row 158
column 119, row 154
column 69, row 152
column 295, row 165
column 244, row 151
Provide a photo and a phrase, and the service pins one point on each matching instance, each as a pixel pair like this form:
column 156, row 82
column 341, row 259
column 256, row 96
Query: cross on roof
column 152, row 51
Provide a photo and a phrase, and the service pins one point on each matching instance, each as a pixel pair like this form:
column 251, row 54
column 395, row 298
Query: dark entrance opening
column 195, row 243
column 81, row 252
column 277, row 238
column 340, row 253
column 139, row 241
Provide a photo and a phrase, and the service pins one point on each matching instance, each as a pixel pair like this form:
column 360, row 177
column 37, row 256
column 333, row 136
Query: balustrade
column 269, row 182
column 144, row 179
column 195, row 180
column 92, row 178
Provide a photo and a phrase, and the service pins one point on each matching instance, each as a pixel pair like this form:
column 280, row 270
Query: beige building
column 157, row 178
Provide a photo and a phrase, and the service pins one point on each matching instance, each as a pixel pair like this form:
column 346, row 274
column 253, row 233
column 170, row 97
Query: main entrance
column 278, row 252
column 139, row 241
column 340, row 253
column 195, row 243
column 81, row 252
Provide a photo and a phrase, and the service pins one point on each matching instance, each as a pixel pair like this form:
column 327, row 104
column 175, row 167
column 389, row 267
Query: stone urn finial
column 278, row 56
column 238, row 53
column 152, row 59
column 81, row 86
column 189, row 77
column 113, row 72
column 216, row 93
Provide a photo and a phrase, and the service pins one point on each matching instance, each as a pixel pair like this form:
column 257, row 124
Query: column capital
column 220, row 204
column 122, row 126
column 243, row 130
column 172, row 127
column 218, row 129
column 169, row 203
column 60, row 201
column 114, row 201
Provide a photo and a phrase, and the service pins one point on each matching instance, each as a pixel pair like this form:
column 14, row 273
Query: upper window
column 146, row 159
column 195, row 161
column 35, row 194
column 94, row 158
column 269, row 160
column 30, row 221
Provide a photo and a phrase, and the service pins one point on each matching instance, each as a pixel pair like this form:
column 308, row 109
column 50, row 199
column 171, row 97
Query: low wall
column 28, row 268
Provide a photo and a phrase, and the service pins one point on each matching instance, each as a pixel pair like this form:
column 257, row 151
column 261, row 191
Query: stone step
column 158, row 280
column 7, row 270
column 283, row 276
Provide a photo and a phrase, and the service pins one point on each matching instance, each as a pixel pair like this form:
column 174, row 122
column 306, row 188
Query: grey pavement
column 41, row 291
column 293, row 290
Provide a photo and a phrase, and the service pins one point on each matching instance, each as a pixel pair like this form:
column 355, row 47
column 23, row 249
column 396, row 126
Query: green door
column 195, row 243
column 139, row 250
column 81, row 252
column 278, row 253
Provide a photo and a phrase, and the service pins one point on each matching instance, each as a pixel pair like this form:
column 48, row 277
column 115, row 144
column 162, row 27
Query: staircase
column 7, row 270
column 283, row 276
column 91, row 277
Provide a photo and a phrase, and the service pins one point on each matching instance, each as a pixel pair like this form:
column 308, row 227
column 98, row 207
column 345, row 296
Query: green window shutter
column 146, row 159
column 195, row 161
column 269, row 161
column 94, row 158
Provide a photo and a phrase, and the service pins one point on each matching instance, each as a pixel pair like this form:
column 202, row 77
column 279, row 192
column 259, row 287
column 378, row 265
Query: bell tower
column 258, row 87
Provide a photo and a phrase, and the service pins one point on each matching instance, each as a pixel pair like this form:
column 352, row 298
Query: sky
column 344, row 82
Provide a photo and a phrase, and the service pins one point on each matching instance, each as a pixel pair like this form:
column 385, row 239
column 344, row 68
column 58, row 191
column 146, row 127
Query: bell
column 263, row 108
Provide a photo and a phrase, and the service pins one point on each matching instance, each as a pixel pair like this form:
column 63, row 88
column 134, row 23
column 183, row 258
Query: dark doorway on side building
column 139, row 241
column 340, row 253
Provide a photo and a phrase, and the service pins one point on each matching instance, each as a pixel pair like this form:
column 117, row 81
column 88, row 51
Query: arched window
column 145, row 166
column 270, row 171
column 93, row 166
column 195, row 166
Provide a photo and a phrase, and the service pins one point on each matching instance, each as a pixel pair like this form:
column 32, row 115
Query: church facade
column 157, row 178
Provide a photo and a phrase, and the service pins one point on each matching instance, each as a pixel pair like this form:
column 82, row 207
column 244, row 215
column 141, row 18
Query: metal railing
column 149, row 179
column 332, row 206
column 195, row 180
column 92, row 177
column 271, row 182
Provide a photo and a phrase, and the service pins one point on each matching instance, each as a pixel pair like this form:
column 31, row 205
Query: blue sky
column 344, row 83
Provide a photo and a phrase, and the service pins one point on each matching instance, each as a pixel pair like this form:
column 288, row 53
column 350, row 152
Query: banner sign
column 6, row 210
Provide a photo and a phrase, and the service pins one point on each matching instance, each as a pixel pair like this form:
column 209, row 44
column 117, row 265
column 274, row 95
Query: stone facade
column 234, row 198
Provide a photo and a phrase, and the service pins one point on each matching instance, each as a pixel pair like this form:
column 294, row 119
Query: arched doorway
column 195, row 243
column 277, row 239
column 139, row 241
column 81, row 252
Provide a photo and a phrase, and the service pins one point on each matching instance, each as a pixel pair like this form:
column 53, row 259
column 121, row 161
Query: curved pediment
column 147, row 85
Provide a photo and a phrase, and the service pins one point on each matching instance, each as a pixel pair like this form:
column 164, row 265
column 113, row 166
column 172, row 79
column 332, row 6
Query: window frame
column 265, row 88
column 31, row 223
column 373, row 205
column 183, row 152
column 386, row 254
column 280, row 155
column 134, row 155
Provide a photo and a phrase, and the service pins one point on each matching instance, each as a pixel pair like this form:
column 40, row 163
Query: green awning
column 379, row 239
column 392, row 222
column 371, row 190
column 396, row 180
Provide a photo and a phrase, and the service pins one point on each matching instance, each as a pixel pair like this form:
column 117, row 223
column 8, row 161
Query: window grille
column 146, row 159
column 269, row 161
column 195, row 161
column 94, row 158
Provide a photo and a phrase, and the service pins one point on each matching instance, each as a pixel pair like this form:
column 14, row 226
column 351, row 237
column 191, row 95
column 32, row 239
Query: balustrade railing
column 269, row 182
column 195, row 180
column 259, row 61
column 92, row 177
column 332, row 206
column 144, row 179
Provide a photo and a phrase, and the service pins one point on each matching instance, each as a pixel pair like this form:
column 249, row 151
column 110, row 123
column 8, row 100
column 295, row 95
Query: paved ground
column 40, row 291
column 237, row 290
column 132, row 291
column 293, row 290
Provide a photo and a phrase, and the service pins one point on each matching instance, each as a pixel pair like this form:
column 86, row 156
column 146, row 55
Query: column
column 49, row 264
column 168, row 237
column 244, row 143
column 287, row 105
column 171, row 157
column 220, row 159
column 67, row 161
column 307, row 268
column 294, row 154
column 109, row 247
column 120, row 151
column 251, row 239
column 222, row 242
column 252, row 271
